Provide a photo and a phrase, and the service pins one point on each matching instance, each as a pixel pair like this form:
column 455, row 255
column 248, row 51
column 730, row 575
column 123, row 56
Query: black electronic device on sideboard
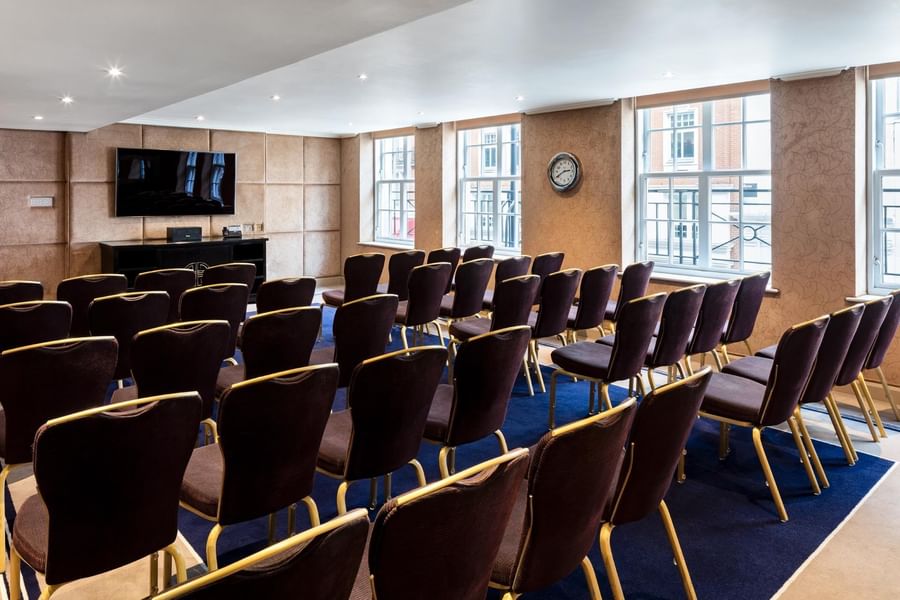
column 131, row 258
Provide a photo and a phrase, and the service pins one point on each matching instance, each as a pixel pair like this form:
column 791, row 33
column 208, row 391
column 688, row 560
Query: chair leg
column 180, row 567
column 341, row 498
column 420, row 472
column 591, row 578
column 527, row 374
column 861, row 399
column 501, row 440
column 724, row 449
column 676, row 549
column 212, row 561
column 551, row 416
column 811, row 449
column 451, row 358
column 804, row 458
column 403, row 337
column 864, row 388
column 767, row 471
column 49, row 591
column 680, row 369
column 167, row 570
column 748, row 347
column 688, row 366
column 593, row 391
column 832, row 406
column 887, row 392
column 537, row 365
column 373, row 494
column 154, row 574
column 273, row 524
column 211, row 431
column 388, row 480
column 716, row 358
column 440, row 332
column 604, row 393
column 725, row 358
column 609, row 562
column 509, row 596
column 15, row 569
column 640, row 384
column 452, row 460
column 313, row 511
column 443, row 467
column 681, row 477
column 4, row 475
column 650, row 380
column 232, row 360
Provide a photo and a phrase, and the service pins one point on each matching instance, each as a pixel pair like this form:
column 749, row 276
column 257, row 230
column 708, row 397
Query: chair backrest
column 79, row 291
column 793, row 363
column 20, row 291
column 471, row 281
column 321, row 561
column 270, row 429
column 874, row 315
column 746, row 308
column 485, row 372
column 885, row 334
column 513, row 299
column 25, row 323
column 180, row 357
column 660, row 431
column 634, row 330
column 225, row 301
column 49, row 380
column 288, row 292
column 423, row 540
column 635, row 279
column 95, row 471
column 361, row 275
column 570, row 480
column 236, row 272
column 279, row 340
column 543, row 265
column 596, row 288
column 122, row 316
column 679, row 316
column 717, row 302
column 476, row 252
column 400, row 268
column 557, row 296
column 175, row 282
column 426, row 289
column 832, row 352
column 389, row 397
column 361, row 329
column 448, row 255
column 514, row 266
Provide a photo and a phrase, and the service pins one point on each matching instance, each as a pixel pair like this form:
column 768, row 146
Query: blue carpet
column 732, row 539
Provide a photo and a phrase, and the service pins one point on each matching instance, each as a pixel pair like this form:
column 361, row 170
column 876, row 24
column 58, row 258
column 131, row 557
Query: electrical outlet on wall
column 40, row 201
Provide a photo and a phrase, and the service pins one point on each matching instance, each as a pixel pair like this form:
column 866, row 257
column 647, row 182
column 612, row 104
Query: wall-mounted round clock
column 564, row 172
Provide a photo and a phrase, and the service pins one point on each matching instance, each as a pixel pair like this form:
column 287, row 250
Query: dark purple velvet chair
column 448, row 255
column 288, row 292
column 711, row 322
column 26, row 323
column 543, row 266
column 476, row 252
column 635, row 279
column 174, row 282
column 423, row 306
column 745, row 311
column 13, row 291
column 400, row 267
column 236, row 272
column 512, row 306
column 226, row 301
column 361, row 275
column 471, row 282
column 80, row 291
column 557, row 293
column 507, row 268
column 596, row 287
column 882, row 344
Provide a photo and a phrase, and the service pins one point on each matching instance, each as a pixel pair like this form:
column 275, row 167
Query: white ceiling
column 426, row 61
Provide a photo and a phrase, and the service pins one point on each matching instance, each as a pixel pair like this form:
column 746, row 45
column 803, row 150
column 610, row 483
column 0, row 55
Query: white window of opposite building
column 705, row 201
column 884, row 241
column 490, row 190
column 395, row 190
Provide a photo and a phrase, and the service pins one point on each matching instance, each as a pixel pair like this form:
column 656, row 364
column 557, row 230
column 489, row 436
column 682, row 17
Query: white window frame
column 877, row 226
column 496, row 179
column 407, row 185
column 702, row 212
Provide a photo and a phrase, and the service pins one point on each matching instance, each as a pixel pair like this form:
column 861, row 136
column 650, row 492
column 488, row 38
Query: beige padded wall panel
column 284, row 159
column 43, row 262
column 250, row 149
column 175, row 138
column 322, row 207
column 284, row 255
column 322, row 253
column 92, row 217
column 284, row 208
column 92, row 155
column 21, row 224
column 250, row 208
column 32, row 155
column 321, row 160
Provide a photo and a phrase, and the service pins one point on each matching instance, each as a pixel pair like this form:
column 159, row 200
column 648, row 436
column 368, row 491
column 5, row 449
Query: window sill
column 662, row 277
column 862, row 298
column 387, row 245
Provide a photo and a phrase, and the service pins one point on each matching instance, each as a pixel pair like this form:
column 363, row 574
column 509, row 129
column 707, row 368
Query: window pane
column 656, row 237
column 891, row 140
column 729, row 110
column 395, row 189
column 757, row 199
column 759, row 146
column 727, row 147
column 758, row 107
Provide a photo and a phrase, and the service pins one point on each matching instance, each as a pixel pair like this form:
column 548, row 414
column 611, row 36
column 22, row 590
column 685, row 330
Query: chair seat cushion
column 584, row 358
column 733, row 397
column 202, row 484
column 31, row 532
column 335, row 443
column 508, row 556
column 124, row 394
column 228, row 376
column 438, row 423
column 767, row 352
column 464, row 330
column 322, row 356
column 447, row 305
column 756, row 368
column 609, row 340
column 333, row 297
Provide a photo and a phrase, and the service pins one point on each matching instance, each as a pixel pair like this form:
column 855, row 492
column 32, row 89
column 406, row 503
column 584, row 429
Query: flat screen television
column 172, row 182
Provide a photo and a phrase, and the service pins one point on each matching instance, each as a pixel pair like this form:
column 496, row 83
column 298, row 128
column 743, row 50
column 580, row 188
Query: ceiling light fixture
column 67, row 99
column 668, row 75
column 519, row 98
column 276, row 97
column 38, row 118
column 200, row 118
column 362, row 77
column 114, row 72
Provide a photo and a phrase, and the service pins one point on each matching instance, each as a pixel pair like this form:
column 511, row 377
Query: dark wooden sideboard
column 131, row 258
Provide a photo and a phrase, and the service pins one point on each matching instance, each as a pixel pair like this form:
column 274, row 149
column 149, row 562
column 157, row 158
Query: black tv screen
column 172, row 182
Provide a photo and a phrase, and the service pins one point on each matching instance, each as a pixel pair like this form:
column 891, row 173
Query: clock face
column 564, row 171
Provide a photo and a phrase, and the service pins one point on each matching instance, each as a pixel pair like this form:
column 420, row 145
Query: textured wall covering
column 78, row 169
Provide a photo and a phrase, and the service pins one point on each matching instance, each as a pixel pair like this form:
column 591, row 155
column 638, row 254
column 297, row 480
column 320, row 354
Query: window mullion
column 703, row 219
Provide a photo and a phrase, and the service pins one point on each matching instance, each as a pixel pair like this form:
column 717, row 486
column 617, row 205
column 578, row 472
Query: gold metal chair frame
column 586, row 567
column 171, row 551
column 212, row 560
column 341, row 496
column 266, row 554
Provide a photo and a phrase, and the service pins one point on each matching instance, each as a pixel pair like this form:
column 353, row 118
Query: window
column 395, row 190
column 706, row 186
column 490, row 191
column 884, row 252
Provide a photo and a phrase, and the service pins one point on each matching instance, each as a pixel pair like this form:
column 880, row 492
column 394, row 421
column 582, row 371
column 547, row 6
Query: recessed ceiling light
column 519, row 98
column 349, row 122
column 276, row 97
column 200, row 118
column 38, row 118
column 67, row 99
column 668, row 74
column 363, row 77
column 114, row 72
